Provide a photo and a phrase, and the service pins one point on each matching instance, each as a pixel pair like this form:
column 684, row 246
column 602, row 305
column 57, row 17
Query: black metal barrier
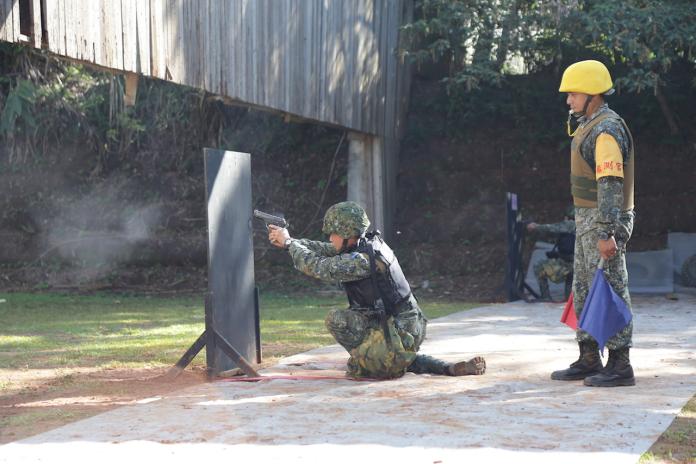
column 231, row 333
column 515, row 285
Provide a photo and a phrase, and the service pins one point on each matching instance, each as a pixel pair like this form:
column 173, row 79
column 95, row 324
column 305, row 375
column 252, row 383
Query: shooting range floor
column 513, row 413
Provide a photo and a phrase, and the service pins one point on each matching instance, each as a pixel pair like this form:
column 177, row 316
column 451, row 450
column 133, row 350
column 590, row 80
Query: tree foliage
column 483, row 42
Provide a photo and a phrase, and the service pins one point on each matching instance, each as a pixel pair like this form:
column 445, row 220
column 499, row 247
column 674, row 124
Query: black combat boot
column 617, row 373
column 544, row 292
column 587, row 364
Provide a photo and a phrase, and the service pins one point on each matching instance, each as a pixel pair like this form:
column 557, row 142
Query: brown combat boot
column 474, row 366
column 617, row 373
column 588, row 364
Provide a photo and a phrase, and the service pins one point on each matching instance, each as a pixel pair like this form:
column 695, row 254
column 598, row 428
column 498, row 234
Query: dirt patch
column 34, row 401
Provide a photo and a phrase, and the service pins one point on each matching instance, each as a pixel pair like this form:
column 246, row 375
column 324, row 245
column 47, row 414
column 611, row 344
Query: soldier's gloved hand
column 277, row 236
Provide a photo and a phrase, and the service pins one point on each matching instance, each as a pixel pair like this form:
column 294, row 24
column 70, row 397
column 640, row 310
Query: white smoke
column 101, row 228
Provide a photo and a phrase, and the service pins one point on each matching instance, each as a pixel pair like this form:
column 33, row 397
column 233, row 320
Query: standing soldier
column 558, row 267
column 601, row 176
column 383, row 327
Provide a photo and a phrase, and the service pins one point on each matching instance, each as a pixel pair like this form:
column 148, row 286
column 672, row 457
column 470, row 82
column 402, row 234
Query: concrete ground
column 513, row 413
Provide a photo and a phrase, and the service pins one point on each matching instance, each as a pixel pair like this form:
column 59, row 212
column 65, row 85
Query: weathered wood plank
column 326, row 60
column 70, row 28
column 129, row 35
column 142, row 38
column 174, row 58
column 36, row 16
column 60, row 33
column 158, row 38
column 211, row 44
column 390, row 98
column 6, row 20
column 16, row 29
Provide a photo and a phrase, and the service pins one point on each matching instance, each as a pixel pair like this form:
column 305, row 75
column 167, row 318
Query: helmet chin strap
column 579, row 114
column 587, row 104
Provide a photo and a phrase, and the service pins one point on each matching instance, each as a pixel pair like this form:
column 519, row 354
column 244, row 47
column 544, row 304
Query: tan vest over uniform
column 583, row 179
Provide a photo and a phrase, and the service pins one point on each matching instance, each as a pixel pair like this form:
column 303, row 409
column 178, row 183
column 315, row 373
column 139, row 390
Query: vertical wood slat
column 252, row 69
column 310, row 67
column 158, row 39
column 326, row 60
column 186, row 44
column 72, row 28
column 51, row 23
column 262, row 33
column 212, row 46
column 36, row 17
column 78, row 30
column 6, row 26
column 142, row 29
column 173, row 52
column 129, row 35
column 94, row 36
column 231, row 39
column 347, row 33
column 274, row 56
column 291, row 50
column 390, row 97
column 60, row 33
column 16, row 31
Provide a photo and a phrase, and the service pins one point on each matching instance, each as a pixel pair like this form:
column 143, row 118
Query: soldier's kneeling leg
column 425, row 364
column 348, row 327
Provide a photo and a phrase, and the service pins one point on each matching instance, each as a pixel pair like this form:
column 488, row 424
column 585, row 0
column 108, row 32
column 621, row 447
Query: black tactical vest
column 564, row 248
column 386, row 287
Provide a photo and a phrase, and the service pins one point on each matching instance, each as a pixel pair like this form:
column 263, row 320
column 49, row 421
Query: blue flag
column 604, row 313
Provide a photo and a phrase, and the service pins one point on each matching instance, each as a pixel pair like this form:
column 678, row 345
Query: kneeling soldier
column 383, row 327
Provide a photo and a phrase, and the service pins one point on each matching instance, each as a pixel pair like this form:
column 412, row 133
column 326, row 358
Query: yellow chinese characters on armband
column 608, row 159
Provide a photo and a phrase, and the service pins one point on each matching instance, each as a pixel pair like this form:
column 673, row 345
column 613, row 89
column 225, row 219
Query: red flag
column 568, row 317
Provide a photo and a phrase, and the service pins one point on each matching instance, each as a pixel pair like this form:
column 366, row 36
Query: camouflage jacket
column 609, row 189
column 321, row 260
column 550, row 230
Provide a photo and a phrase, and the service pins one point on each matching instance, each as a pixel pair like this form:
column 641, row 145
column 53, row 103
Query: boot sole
column 573, row 377
column 474, row 366
column 616, row 383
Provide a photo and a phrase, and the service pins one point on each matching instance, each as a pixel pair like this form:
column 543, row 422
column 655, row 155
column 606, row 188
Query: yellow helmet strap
column 572, row 122
column 587, row 104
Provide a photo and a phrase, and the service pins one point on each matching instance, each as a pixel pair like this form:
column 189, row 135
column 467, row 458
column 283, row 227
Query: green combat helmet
column 346, row 219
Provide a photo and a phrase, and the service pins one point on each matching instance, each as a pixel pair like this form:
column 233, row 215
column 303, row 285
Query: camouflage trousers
column 350, row 328
column 586, row 261
column 556, row 270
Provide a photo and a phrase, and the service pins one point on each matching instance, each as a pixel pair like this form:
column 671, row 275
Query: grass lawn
column 46, row 331
column 66, row 357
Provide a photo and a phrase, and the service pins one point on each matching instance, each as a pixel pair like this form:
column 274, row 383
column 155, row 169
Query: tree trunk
column 667, row 112
column 509, row 24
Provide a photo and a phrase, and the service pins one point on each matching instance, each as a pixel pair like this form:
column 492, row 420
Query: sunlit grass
column 108, row 331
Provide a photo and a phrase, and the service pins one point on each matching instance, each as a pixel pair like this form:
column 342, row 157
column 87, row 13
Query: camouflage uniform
column 554, row 269
column 359, row 329
column 601, row 222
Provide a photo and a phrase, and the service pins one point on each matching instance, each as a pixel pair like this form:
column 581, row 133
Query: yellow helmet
column 589, row 77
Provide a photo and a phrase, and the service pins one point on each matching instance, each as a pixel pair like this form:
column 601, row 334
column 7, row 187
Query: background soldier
column 559, row 263
column 383, row 327
column 601, row 175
